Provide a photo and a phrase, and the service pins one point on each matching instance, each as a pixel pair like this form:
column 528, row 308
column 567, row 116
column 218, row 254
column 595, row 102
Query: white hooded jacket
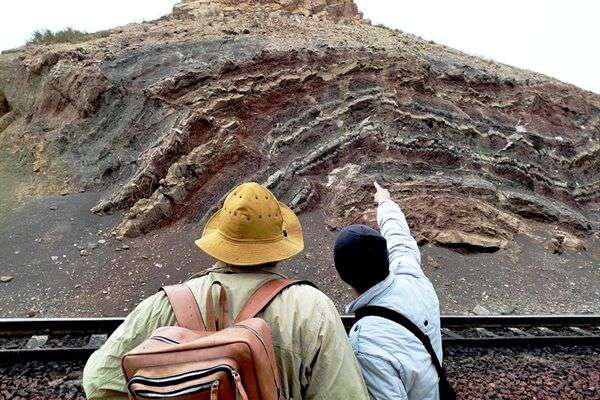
column 395, row 364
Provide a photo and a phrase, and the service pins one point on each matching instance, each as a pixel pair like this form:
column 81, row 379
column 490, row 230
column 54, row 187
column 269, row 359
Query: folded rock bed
column 164, row 118
column 545, row 373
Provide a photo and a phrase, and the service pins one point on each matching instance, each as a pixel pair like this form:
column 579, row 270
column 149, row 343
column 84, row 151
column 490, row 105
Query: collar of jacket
column 368, row 296
column 223, row 268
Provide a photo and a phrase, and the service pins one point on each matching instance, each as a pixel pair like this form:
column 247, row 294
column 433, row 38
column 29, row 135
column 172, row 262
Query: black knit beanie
column 361, row 257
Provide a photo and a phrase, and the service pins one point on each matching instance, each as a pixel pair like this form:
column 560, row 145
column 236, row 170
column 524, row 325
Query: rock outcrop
column 308, row 98
column 4, row 106
column 334, row 10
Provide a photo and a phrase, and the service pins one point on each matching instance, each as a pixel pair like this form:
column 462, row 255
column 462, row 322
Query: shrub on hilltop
column 67, row 35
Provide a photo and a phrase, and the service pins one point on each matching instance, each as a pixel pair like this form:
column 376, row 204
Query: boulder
column 563, row 241
column 469, row 240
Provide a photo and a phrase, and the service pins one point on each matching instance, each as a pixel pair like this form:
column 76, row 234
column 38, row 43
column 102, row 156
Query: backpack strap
column 264, row 295
column 185, row 307
column 211, row 322
column 446, row 390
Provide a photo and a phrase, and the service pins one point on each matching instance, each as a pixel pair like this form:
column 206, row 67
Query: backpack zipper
column 177, row 379
column 214, row 390
column 149, row 394
column 239, row 386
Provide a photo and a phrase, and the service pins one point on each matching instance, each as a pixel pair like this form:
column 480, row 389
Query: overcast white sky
column 556, row 37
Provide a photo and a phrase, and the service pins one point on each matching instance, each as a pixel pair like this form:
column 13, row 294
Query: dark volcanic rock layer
column 308, row 98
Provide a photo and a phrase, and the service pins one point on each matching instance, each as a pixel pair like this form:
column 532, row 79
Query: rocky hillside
column 164, row 118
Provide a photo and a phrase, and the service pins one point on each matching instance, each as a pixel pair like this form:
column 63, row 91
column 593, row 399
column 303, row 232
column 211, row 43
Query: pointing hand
column 381, row 194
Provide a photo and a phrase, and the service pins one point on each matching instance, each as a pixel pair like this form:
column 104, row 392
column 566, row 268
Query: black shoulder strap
column 446, row 391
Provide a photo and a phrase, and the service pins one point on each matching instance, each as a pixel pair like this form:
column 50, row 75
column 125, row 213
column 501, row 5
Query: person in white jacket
column 385, row 270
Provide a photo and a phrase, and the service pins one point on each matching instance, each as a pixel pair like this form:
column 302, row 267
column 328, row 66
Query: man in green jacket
column 249, row 235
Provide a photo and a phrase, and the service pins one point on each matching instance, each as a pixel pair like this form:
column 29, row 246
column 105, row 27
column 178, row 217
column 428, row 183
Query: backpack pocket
column 212, row 383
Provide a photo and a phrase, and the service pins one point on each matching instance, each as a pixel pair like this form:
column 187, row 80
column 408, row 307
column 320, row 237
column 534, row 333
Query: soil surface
column 41, row 250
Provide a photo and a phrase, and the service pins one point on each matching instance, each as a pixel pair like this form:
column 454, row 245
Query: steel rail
column 27, row 325
column 483, row 331
column 16, row 326
column 515, row 320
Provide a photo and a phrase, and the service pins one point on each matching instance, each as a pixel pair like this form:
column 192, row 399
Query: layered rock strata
column 316, row 103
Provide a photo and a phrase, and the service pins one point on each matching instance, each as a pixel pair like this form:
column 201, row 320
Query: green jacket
column 313, row 353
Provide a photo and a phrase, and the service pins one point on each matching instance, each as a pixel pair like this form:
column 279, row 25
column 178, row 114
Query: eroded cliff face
column 306, row 97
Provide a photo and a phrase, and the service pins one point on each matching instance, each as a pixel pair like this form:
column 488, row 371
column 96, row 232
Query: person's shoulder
column 418, row 286
column 312, row 312
column 307, row 303
column 376, row 331
column 154, row 301
column 306, row 287
column 372, row 324
column 308, row 294
column 196, row 282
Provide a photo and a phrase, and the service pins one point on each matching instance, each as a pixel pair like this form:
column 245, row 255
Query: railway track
column 76, row 338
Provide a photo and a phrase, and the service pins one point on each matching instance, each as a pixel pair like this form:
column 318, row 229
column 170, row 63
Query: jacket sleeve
column 404, row 254
column 102, row 375
column 333, row 372
column 382, row 379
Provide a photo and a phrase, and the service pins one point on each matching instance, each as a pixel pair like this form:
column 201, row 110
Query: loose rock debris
column 565, row 373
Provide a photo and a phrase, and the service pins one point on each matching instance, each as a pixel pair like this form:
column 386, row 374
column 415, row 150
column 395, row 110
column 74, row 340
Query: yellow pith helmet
column 252, row 228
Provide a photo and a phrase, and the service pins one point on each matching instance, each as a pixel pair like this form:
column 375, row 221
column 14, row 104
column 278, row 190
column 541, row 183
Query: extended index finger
column 377, row 185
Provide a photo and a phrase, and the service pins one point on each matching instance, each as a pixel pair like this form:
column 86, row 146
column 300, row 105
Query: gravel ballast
column 542, row 373
column 42, row 381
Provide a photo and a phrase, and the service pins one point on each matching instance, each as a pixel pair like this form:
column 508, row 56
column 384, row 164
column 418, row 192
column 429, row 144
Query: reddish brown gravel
column 537, row 374
column 42, row 381
column 546, row 373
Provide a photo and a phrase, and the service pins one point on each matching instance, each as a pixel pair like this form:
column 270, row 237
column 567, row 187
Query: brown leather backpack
column 194, row 361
